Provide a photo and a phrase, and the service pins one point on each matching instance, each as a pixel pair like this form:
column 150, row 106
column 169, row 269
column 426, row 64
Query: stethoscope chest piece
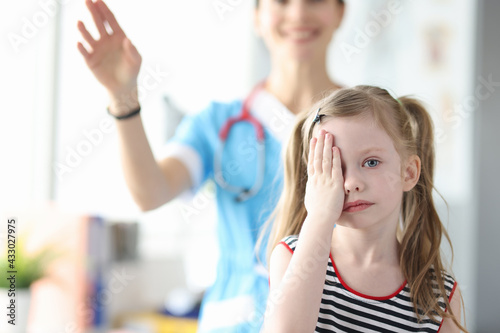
column 242, row 193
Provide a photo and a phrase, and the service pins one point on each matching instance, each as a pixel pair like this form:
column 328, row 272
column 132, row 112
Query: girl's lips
column 357, row 206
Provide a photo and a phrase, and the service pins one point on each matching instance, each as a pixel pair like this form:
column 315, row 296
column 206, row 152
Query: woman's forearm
column 143, row 176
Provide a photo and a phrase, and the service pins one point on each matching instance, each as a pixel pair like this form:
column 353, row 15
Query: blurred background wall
column 486, row 176
column 59, row 149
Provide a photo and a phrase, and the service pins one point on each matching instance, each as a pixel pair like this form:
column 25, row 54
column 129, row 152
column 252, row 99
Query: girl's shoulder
column 290, row 242
column 449, row 282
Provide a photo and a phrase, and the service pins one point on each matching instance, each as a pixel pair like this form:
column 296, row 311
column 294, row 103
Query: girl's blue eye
column 371, row 163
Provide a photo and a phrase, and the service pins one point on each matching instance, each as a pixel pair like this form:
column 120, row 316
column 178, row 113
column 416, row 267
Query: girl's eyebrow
column 372, row 149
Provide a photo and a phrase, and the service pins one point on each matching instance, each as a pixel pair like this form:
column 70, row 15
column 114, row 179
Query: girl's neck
column 364, row 248
column 298, row 84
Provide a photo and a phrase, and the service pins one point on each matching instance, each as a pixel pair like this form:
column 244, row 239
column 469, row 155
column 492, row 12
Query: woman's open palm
column 113, row 59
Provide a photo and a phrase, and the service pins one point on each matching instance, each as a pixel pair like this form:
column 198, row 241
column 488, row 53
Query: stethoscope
column 243, row 193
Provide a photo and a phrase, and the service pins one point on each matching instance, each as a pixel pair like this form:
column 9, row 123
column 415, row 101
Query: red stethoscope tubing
column 245, row 116
column 242, row 193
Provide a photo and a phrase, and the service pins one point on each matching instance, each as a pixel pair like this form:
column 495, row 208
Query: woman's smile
column 301, row 35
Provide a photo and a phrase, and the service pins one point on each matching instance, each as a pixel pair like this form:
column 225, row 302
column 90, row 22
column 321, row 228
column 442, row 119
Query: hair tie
column 318, row 116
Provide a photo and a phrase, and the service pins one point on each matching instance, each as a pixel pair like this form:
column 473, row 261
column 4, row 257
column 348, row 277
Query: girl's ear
column 411, row 172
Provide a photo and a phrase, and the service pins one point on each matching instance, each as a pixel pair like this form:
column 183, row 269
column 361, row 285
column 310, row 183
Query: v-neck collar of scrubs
column 273, row 115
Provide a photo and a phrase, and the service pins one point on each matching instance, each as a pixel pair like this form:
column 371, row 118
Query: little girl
column 356, row 235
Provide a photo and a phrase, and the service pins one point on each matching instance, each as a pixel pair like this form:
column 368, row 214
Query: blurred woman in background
column 237, row 144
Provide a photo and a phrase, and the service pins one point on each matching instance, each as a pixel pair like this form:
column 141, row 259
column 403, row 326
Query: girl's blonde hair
column 410, row 127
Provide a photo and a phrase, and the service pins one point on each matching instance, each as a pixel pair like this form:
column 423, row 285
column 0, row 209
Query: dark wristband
column 128, row 115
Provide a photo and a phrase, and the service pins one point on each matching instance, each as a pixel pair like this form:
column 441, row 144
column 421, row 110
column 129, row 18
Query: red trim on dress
column 286, row 245
column 449, row 301
column 382, row 298
column 289, row 249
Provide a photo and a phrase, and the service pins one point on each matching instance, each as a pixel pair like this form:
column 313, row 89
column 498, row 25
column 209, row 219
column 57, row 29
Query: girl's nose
column 352, row 182
column 356, row 189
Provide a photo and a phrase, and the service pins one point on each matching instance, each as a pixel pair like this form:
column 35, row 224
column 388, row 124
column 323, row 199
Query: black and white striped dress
column 346, row 310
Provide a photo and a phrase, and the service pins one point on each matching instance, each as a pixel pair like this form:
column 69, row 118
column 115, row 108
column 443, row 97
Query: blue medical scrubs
column 239, row 278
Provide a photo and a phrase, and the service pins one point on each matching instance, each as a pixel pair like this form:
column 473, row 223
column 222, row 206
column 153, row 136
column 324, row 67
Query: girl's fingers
column 110, row 17
column 85, row 34
column 97, row 17
column 310, row 159
column 336, row 165
column 318, row 152
column 327, row 153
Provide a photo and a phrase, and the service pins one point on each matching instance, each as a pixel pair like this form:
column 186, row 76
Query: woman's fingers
column 83, row 50
column 97, row 17
column 109, row 17
column 85, row 34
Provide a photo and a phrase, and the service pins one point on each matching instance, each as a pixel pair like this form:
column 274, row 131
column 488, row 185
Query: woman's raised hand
column 112, row 58
column 325, row 184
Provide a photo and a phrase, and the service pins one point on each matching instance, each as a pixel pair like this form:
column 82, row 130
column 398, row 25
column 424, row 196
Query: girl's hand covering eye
column 325, row 183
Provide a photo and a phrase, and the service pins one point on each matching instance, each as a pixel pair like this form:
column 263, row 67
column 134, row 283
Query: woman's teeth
column 302, row 34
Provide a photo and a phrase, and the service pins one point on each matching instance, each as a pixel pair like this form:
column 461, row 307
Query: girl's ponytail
column 423, row 135
column 290, row 211
column 422, row 227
